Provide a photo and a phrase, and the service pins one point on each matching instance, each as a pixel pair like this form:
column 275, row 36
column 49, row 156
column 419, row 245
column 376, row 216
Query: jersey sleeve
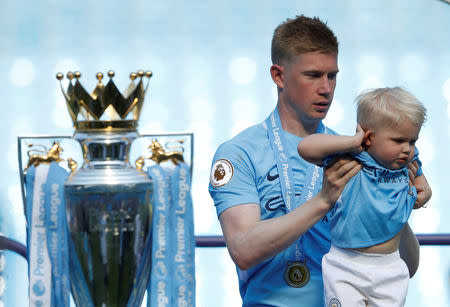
column 232, row 178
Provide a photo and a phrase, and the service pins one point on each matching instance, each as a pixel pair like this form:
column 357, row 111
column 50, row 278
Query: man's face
column 308, row 85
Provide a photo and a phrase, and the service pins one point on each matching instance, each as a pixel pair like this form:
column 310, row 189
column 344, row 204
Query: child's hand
column 358, row 140
column 421, row 184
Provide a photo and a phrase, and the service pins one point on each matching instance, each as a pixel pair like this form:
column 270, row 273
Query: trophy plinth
column 109, row 218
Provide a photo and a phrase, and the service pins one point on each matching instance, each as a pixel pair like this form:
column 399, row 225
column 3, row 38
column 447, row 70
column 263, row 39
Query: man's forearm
column 256, row 242
column 251, row 240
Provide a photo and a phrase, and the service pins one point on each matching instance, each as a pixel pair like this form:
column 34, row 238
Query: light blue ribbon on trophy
column 47, row 236
column 159, row 289
column 49, row 243
column 183, row 239
column 56, row 232
column 39, row 265
column 173, row 253
column 297, row 273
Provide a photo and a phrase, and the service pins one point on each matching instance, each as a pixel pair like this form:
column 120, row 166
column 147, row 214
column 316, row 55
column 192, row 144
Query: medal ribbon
column 281, row 155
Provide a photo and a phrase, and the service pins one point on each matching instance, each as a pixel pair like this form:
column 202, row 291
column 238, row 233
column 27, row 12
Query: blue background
column 211, row 64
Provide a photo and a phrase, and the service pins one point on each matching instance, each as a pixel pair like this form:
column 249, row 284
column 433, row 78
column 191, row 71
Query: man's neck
column 296, row 124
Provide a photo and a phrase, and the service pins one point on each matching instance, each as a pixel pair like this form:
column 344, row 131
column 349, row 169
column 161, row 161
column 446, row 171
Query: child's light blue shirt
column 374, row 206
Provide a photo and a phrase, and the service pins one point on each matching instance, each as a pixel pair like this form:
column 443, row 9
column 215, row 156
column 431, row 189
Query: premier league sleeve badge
column 221, row 173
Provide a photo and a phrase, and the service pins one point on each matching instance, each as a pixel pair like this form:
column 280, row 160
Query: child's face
column 393, row 147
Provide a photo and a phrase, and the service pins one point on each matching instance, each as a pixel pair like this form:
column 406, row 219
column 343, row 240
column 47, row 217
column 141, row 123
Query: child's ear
column 367, row 140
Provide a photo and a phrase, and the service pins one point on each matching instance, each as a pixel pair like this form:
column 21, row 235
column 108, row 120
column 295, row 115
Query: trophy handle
column 51, row 155
column 32, row 151
column 159, row 154
column 178, row 147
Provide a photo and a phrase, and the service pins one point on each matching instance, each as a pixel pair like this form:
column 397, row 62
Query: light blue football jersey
column 244, row 171
column 374, row 206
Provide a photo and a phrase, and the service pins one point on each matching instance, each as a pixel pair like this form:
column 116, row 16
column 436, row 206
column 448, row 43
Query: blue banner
column 39, row 265
column 183, row 239
column 172, row 281
column 158, row 293
column 47, row 236
column 56, row 231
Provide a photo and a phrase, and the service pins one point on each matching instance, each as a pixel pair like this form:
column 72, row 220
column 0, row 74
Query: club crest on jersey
column 221, row 173
column 334, row 303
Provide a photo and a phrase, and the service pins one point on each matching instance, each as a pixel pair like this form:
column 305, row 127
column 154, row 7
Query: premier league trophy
column 108, row 207
column 93, row 222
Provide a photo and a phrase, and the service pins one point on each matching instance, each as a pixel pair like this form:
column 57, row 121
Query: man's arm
column 423, row 191
column 251, row 240
column 409, row 249
column 421, row 184
column 409, row 245
column 316, row 147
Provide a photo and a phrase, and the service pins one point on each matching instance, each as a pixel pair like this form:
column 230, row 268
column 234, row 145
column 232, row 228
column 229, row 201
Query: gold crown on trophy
column 106, row 108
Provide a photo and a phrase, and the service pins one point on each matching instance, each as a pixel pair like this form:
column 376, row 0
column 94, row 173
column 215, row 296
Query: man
column 273, row 205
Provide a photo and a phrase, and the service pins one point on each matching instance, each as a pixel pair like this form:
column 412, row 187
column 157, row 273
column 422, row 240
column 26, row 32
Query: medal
column 297, row 274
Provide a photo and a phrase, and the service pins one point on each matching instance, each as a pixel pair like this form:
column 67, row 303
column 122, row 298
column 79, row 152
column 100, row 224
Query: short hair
column 301, row 35
column 387, row 106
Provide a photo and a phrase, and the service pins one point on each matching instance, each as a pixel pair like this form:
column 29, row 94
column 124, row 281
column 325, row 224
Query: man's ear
column 277, row 74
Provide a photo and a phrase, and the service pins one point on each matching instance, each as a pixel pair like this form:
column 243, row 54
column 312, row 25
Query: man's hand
column 336, row 176
column 421, row 184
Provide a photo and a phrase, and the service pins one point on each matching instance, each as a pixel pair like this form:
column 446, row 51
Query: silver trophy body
column 109, row 215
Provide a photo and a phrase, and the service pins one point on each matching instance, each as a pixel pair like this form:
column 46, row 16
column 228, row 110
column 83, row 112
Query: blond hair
column 383, row 107
column 300, row 35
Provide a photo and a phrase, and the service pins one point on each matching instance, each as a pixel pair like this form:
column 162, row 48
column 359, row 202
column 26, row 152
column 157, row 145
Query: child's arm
column 316, row 147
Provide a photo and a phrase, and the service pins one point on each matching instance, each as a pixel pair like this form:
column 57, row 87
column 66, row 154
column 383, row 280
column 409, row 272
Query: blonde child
column 363, row 266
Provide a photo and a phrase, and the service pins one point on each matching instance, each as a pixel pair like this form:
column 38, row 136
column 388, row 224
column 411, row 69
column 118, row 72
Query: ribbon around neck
column 275, row 133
